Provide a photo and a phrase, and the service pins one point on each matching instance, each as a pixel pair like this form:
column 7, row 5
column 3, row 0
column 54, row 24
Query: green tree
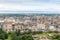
column 6, row 36
column 18, row 32
column 21, row 37
column 1, row 31
column 27, row 37
column 13, row 36
column 51, row 31
column 2, row 36
column 57, row 37
column 37, row 32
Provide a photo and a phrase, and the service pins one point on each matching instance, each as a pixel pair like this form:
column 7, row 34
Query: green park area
column 17, row 35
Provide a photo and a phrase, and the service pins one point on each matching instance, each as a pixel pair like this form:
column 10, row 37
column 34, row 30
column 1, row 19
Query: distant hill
column 11, row 15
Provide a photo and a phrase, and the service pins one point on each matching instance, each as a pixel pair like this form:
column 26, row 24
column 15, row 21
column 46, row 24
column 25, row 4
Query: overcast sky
column 30, row 5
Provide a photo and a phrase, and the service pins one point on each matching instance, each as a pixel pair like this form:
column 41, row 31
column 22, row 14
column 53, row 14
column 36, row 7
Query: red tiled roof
column 8, row 22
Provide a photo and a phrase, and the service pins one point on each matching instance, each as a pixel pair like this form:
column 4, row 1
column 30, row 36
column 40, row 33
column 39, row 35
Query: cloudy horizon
column 46, row 6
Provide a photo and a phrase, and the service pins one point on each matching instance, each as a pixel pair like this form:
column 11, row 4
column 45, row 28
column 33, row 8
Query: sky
column 45, row 6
